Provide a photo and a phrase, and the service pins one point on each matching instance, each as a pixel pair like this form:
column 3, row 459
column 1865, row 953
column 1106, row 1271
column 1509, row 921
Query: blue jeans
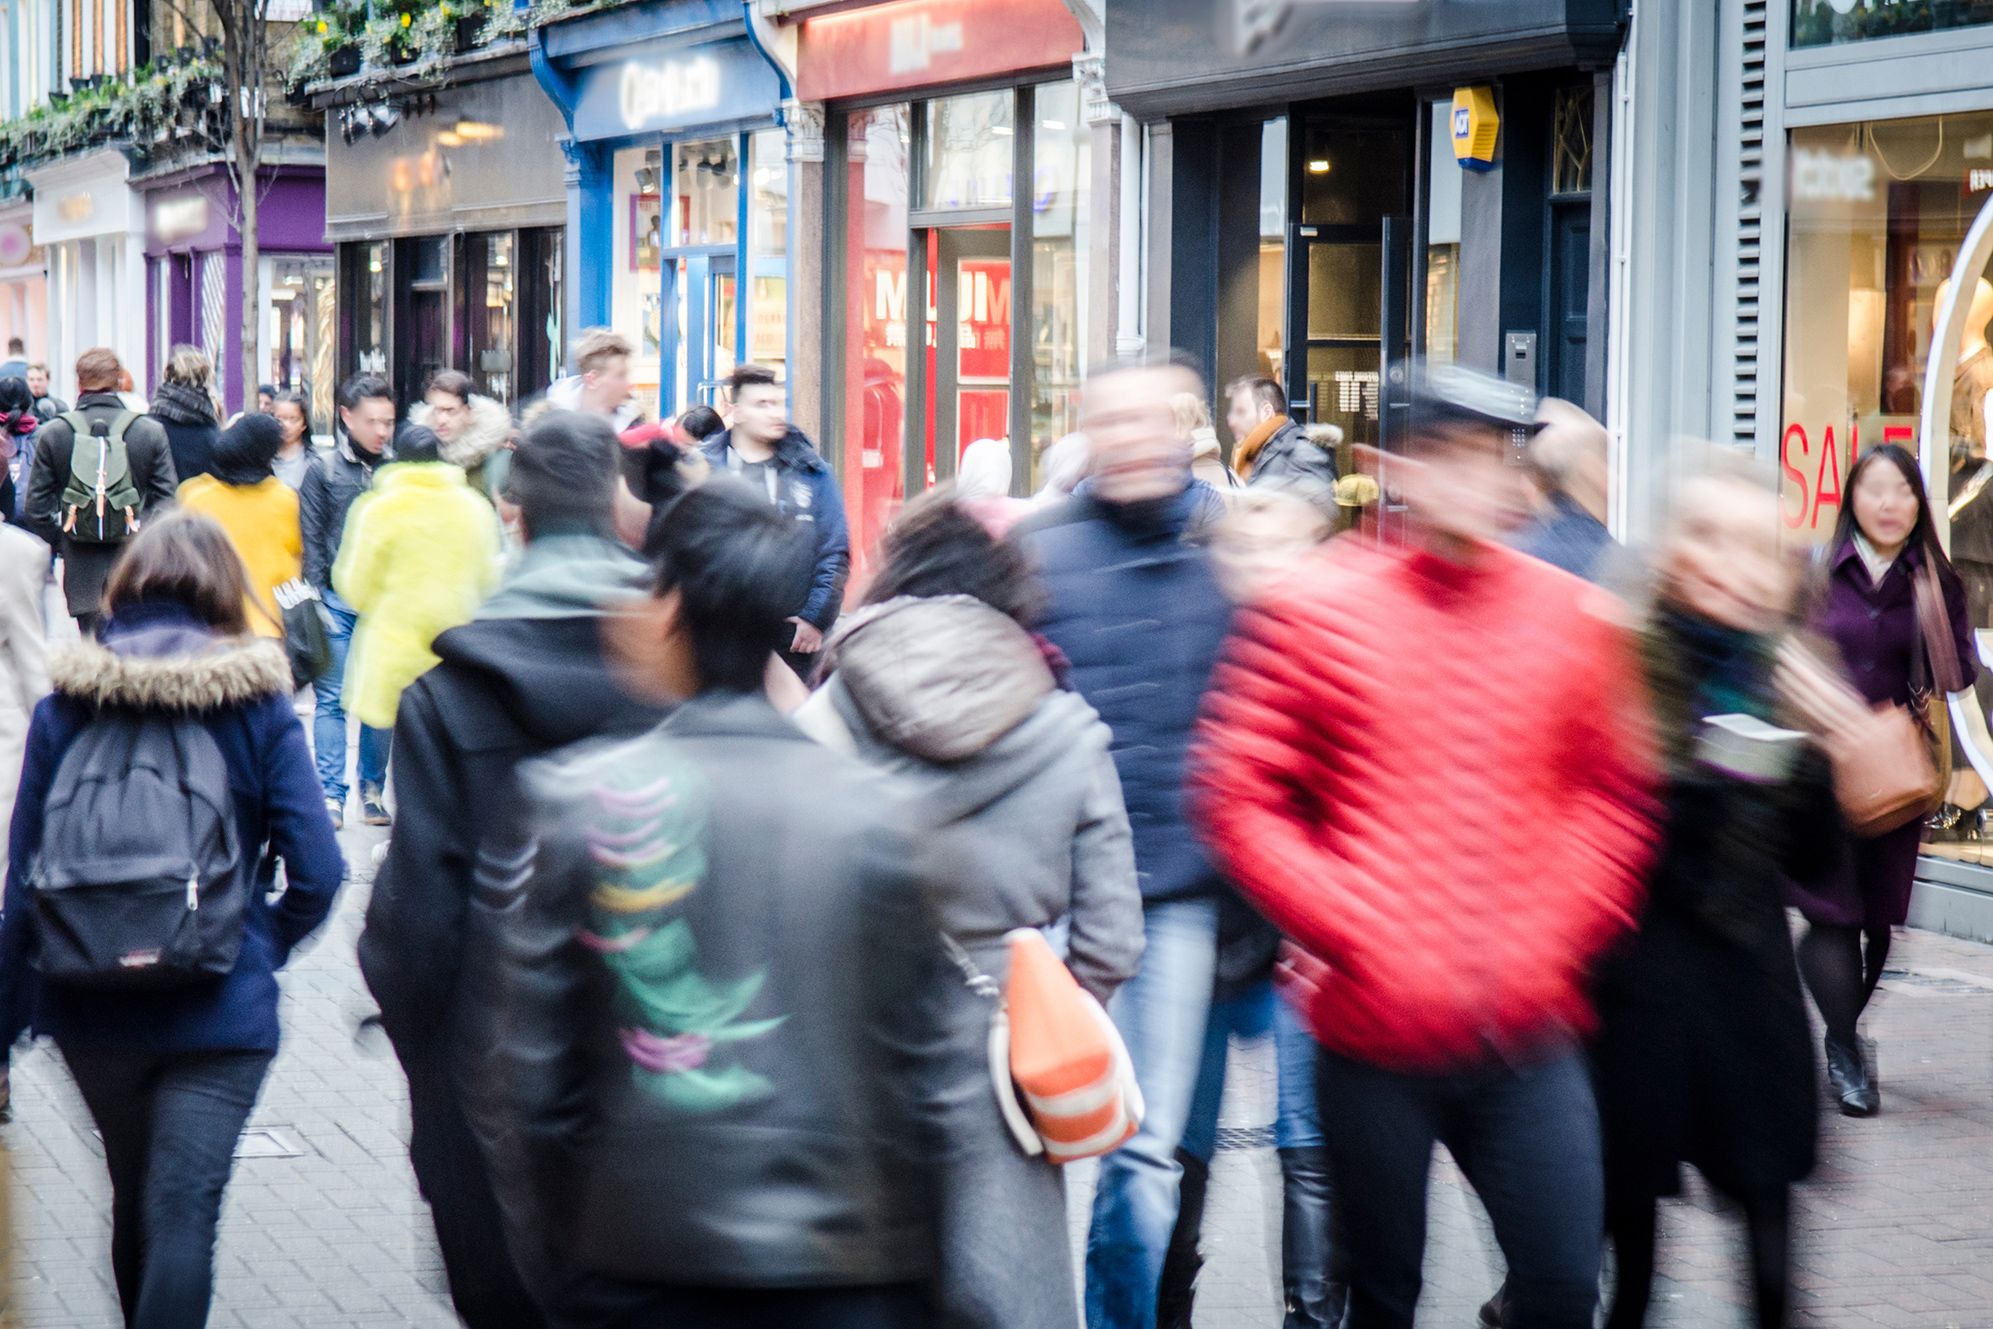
column 1527, row 1139
column 1162, row 1013
column 169, row 1122
column 328, row 722
column 1251, row 1015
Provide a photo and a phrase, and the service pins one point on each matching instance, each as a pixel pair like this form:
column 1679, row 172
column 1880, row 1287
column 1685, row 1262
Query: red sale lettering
column 1795, row 479
column 1830, row 461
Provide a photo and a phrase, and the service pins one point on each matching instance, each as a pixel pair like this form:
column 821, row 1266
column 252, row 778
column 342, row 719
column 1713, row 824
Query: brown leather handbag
column 1891, row 763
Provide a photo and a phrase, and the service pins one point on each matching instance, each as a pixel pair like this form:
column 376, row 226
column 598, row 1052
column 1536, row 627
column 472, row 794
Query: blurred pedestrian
column 710, row 1035
column 89, row 494
column 266, row 398
column 257, row 511
column 184, row 405
column 1568, row 464
column 23, row 681
column 1267, row 532
column 1883, row 546
column 526, row 676
column 47, row 405
column 1133, row 603
column 292, row 413
column 1267, row 443
column 18, row 426
column 938, row 679
column 419, row 554
column 701, row 423
column 1207, row 455
column 362, row 443
column 982, row 486
column 1064, row 466
column 1702, row 1056
column 16, row 363
column 475, row 430
column 170, row 1074
column 1454, row 1001
column 778, row 461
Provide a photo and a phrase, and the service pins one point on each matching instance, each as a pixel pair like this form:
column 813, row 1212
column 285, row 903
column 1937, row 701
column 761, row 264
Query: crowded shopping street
column 996, row 664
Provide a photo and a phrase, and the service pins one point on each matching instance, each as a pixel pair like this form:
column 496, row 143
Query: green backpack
column 99, row 501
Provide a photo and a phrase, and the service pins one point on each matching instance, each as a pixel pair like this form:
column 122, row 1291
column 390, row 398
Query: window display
column 1878, row 214
column 1061, row 228
column 637, row 305
column 768, row 246
column 875, row 333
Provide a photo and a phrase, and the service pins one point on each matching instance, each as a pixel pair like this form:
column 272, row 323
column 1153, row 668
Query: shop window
column 1351, row 175
column 768, row 244
column 365, row 279
column 637, row 300
column 1823, row 22
column 1571, row 142
column 970, row 149
column 874, row 273
column 213, row 334
column 540, row 337
column 705, row 193
column 491, row 290
column 1877, row 215
column 1273, row 165
column 1442, row 294
column 1061, row 222
column 301, row 326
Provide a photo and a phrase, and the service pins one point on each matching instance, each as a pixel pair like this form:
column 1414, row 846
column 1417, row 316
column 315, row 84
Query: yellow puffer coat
column 419, row 555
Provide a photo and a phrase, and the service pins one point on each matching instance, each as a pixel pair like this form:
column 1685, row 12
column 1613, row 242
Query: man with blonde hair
column 99, row 472
column 600, row 384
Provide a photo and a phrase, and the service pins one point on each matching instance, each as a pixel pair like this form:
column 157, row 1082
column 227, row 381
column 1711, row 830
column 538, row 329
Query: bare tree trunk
column 249, row 202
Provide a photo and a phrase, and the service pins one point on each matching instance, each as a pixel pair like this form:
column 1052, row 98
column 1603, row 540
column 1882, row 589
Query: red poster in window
column 922, row 43
column 983, row 305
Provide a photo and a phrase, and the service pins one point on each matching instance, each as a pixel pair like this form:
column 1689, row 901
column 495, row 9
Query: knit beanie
column 245, row 450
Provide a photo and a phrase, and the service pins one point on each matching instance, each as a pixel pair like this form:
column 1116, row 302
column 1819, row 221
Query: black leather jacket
column 331, row 484
column 707, row 1047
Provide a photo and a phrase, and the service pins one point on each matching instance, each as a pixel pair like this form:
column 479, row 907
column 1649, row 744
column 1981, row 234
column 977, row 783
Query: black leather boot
column 1849, row 1078
column 1181, row 1261
column 1314, row 1297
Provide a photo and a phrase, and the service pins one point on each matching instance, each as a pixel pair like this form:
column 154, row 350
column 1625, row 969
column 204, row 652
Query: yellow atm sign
column 1475, row 127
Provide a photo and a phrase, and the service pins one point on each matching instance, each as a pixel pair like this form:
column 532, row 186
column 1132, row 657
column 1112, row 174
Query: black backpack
column 140, row 882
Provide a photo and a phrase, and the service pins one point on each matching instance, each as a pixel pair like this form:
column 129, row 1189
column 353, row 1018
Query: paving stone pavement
column 1897, row 1225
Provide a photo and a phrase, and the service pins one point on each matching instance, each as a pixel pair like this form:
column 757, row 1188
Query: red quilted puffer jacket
column 1438, row 779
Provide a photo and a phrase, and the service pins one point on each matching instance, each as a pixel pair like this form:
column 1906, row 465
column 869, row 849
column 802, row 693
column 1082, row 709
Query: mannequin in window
column 1971, row 501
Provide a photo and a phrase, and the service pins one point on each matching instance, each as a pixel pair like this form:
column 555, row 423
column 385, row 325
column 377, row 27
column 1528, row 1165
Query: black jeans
column 1527, row 1140
column 170, row 1122
column 606, row 1303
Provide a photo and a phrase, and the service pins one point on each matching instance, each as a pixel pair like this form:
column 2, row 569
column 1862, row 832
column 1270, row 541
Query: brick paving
column 1897, row 1226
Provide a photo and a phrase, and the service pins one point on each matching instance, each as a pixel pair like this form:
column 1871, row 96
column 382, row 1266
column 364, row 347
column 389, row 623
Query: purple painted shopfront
column 195, row 283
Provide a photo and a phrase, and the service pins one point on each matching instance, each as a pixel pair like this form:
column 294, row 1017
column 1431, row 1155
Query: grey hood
column 959, row 693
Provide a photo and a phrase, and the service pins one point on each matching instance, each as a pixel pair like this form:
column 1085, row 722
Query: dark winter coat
column 87, row 565
column 157, row 657
column 512, row 685
column 1568, row 537
column 708, row 1045
column 806, row 492
column 188, row 417
column 336, row 478
column 1135, row 607
column 1290, row 456
column 1703, row 1053
column 1874, row 628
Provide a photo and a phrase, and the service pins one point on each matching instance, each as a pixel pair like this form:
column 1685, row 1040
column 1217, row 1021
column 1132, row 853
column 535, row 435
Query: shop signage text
column 680, row 87
column 1822, row 177
column 921, row 43
column 1811, row 471
column 174, row 219
column 670, row 91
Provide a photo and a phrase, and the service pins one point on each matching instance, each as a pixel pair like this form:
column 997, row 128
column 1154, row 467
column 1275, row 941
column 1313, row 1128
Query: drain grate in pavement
column 1245, row 1137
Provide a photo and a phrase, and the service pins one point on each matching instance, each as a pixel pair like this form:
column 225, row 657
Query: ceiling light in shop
column 1319, row 166
column 477, row 131
column 449, row 138
column 646, row 180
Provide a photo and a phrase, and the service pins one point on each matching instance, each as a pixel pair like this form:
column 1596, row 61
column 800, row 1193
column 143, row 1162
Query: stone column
column 809, row 241
column 1106, row 335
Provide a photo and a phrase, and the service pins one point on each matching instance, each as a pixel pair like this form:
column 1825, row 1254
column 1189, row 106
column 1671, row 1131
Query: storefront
column 1887, row 302
column 90, row 224
column 957, row 175
column 447, row 207
column 196, row 285
column 679, row 192
column 23, row 280
column 1332, row 189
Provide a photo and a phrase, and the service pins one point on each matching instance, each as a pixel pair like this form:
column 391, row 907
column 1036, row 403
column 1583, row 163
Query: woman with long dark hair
column 1882, row 544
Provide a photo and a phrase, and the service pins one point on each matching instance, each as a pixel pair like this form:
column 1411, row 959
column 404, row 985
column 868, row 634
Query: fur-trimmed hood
column 230, row 672
column 484, row 434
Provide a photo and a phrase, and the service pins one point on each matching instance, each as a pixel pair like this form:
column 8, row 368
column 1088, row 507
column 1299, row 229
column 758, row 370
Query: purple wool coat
column 1874, row 627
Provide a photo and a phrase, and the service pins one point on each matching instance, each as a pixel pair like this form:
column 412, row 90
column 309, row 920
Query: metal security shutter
column 1753, row 383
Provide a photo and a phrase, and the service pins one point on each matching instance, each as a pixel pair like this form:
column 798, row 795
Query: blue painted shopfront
column 678, row 188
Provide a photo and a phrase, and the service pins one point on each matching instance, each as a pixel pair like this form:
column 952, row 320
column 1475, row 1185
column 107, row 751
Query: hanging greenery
column 351, row 37
column 140, row 108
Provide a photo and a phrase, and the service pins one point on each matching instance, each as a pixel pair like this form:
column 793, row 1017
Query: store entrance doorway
column 708, row 327
column 967, row 383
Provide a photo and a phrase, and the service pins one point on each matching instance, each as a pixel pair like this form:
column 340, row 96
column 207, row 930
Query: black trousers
column 450, row 1168
column 170, row 1122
